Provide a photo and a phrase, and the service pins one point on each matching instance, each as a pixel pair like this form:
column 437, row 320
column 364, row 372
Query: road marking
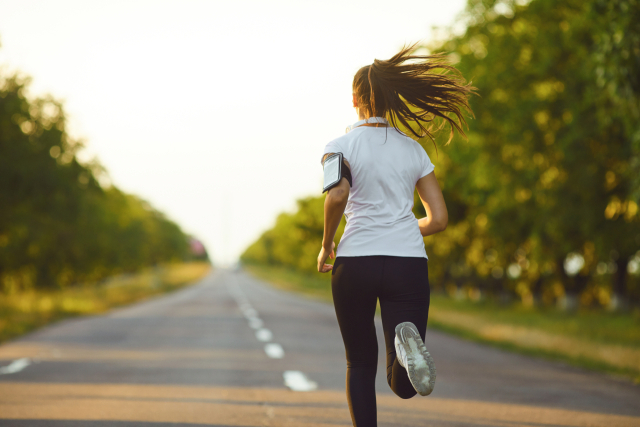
column 264, row 335
column 255, row 323
column 297, row 381
column 274, row 351
column 250, row 312
column 15, row 366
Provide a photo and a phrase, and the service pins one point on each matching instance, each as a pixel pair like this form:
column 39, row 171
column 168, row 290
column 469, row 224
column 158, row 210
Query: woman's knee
column 365, row 355
column 368, row 363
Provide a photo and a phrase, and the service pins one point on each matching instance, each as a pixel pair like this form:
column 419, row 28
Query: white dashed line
column 15, row 366
column 264, row 335
column 294, row 380
column 255, row 323
column 297, row 381
column 249, row 313
column 274, row 351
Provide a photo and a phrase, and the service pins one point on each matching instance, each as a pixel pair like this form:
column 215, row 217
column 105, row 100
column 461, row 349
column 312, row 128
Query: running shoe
column 414, row 357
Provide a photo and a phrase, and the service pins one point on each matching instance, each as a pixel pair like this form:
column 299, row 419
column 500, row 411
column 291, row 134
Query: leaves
column 58, row 226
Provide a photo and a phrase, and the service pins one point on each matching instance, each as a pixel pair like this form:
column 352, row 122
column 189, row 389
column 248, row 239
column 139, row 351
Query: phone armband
column 334, row 170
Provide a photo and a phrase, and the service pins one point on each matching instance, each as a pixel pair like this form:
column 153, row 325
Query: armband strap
column 346, row 173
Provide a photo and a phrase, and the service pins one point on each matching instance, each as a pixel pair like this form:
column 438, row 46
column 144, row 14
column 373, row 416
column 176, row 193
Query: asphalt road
column 218, row 354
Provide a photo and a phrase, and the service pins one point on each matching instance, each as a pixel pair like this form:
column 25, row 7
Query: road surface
column 219, row 353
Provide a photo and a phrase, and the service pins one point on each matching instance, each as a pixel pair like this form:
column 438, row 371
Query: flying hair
column 423, row 90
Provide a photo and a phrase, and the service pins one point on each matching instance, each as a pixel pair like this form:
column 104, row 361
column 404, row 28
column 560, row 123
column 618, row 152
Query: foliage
column 58, row 225
column 293, row 241
column 25, row 311
column 543, row 174
column 543, row 196
column 616, row 57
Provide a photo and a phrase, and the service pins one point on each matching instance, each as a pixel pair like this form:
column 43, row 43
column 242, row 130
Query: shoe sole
column 421, row 369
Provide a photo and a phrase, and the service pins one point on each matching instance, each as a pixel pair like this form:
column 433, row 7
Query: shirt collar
column 369, row 120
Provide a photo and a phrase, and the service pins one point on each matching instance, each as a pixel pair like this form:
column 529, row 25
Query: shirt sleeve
column 427, row 166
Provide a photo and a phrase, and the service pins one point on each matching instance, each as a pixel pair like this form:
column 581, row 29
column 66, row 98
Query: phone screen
column 331, row 170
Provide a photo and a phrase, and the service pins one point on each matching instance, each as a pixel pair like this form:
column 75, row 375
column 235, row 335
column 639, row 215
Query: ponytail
column 412, row 92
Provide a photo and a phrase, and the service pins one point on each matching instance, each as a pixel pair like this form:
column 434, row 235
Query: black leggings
column 402, row 285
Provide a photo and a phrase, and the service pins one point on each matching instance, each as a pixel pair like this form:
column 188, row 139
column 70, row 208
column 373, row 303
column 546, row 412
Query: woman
column 381, row 254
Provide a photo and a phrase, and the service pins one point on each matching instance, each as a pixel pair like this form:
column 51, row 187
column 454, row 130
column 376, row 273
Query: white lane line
column 255, row 323
column 15, row 366
column 250, row 312
column 297, row 381
column 264, row 335
column 274, row 351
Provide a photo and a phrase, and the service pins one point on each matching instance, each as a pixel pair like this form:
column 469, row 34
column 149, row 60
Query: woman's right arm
column 433, row 202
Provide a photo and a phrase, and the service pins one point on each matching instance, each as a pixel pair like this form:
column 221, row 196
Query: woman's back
column 385, row 166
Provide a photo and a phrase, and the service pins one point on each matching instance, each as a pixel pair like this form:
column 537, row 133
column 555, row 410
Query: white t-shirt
column 385, row 167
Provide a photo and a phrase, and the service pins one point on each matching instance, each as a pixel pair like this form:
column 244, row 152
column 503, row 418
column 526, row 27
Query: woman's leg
column 404, row 297
column 354, row 284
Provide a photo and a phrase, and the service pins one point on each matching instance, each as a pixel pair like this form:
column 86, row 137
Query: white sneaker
column 414, row 357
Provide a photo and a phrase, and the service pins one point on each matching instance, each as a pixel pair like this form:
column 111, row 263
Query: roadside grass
column 595, row 340
column 316, row 286
column 23, row 312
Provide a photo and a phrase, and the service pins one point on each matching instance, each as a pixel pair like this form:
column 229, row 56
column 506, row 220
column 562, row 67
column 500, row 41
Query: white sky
column 215, row 112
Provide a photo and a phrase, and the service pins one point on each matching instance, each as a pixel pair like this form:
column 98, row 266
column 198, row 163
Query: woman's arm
column 433, row 202
column 334, row 205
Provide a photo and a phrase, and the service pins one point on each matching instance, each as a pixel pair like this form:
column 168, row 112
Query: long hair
column 427, row 92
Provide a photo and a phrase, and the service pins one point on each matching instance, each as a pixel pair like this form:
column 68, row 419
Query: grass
column 23, row 312
column 316, row 286
column 595, row 340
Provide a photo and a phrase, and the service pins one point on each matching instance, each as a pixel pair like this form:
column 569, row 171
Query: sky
column 216, row 112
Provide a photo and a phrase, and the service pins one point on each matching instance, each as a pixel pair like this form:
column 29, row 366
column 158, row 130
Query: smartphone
column 332, row 171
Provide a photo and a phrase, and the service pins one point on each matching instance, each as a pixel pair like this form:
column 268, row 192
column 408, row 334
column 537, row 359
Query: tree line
column 58, row 225
column 543, row 195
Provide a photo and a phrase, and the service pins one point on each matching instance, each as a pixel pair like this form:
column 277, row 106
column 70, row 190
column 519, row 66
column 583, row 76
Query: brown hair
column 412, row 92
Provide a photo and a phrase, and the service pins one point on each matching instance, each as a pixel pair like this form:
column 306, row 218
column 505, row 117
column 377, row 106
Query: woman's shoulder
column 415, row 145
column 406, row 140
column 346, row 139
column 415, row 149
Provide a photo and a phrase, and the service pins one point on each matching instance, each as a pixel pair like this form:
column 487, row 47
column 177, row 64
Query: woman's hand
column 324, row 254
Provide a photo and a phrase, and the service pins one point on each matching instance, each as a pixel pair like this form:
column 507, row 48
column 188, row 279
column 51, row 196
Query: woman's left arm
column 334, row 206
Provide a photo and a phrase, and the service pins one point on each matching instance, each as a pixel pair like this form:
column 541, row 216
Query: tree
column 58, row 226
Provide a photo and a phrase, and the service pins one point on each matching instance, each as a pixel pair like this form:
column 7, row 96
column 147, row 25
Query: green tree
column 542, row 174
column 58, row 226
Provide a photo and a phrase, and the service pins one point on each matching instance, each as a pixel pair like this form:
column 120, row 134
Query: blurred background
column 140, row 134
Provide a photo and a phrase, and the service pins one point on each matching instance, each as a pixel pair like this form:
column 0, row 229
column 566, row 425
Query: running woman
column 381, row 255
